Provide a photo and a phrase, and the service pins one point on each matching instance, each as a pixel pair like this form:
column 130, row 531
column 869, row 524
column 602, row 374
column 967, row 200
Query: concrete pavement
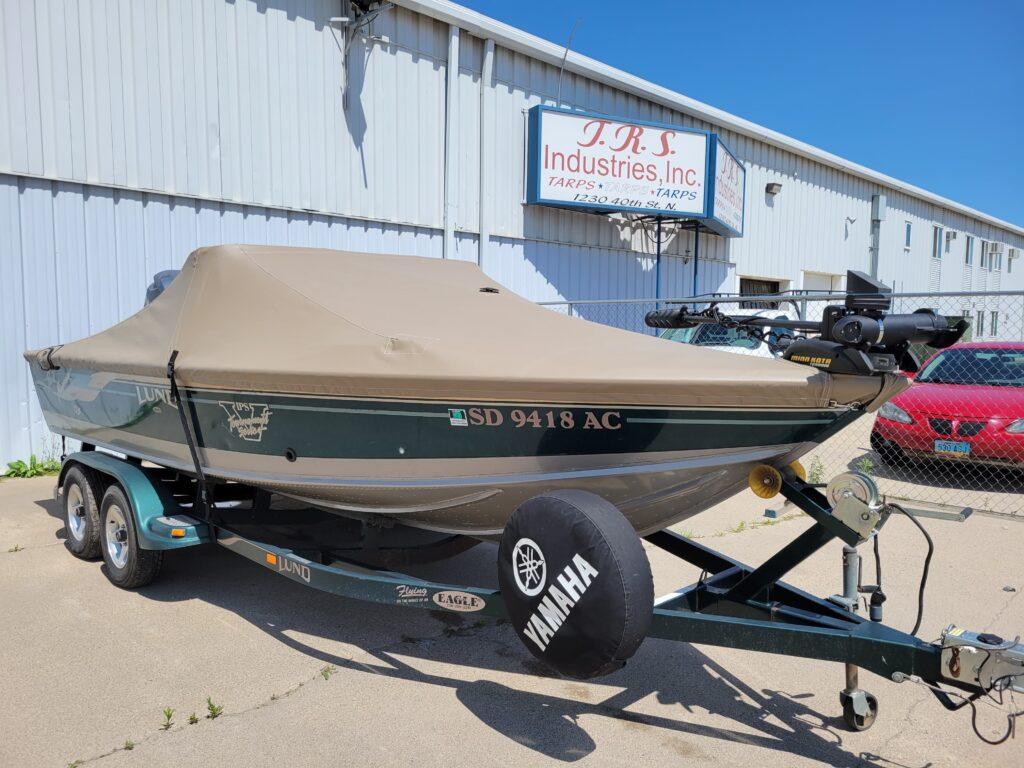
column 310, row 679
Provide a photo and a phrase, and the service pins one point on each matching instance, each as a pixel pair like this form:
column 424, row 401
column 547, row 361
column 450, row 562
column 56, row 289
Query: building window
column 979, row 329
column 984, row 255
column 1014, row 254
column 906, row 236
column 754, row 287
column 936, row 242
column 993, row 323
column 996, row 262
column 969, row 251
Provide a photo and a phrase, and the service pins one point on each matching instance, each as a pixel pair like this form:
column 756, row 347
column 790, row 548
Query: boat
column 421, row 390
column 402, row 409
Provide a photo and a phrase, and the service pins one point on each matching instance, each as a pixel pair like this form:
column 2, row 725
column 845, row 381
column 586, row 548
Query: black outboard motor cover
column 576, row 582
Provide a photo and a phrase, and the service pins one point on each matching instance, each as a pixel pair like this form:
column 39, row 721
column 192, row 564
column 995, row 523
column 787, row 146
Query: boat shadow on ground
column 550, row 723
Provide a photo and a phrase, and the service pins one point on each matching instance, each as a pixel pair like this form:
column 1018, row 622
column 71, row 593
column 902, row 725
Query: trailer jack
column 749, row 608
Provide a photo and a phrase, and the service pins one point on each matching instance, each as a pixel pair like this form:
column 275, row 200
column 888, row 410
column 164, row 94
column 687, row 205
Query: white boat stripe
column 757, row 422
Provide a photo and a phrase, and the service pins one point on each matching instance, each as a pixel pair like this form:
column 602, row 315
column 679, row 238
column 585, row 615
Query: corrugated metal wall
column 133, row 131
column 76, row 259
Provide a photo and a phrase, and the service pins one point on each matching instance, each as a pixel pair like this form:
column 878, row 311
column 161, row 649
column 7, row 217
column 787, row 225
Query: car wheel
column 887, row 451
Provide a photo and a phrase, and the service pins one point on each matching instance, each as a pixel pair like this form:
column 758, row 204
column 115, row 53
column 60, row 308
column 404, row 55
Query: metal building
column 133, row 131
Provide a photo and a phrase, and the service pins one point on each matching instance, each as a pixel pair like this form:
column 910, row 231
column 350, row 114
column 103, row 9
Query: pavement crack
column 999, row 613
column 448, row 630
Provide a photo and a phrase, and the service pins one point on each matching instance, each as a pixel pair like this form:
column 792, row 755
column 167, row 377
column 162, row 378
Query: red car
column 966, row 404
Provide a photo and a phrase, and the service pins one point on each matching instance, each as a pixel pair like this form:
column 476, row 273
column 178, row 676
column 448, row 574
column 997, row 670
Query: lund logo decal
column 457, row 417
column 247, row 420
column 463, row 602
column 154, row 396
column 284, row 565
column 557, row 604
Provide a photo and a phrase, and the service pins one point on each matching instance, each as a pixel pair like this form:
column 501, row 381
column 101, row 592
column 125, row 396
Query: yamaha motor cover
column 576, row 582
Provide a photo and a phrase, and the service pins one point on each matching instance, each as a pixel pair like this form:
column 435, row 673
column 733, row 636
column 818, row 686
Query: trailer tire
column 127, row 565
column 81, row 491
column 576, row 582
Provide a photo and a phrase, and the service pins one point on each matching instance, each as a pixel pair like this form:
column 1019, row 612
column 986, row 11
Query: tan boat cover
column 302, row 320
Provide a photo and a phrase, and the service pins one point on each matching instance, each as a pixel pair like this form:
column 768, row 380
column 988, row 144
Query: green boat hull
column 450, row 466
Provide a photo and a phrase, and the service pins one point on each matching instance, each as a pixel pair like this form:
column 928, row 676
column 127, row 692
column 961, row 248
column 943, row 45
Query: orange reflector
column 271, row 558
column 177, row 533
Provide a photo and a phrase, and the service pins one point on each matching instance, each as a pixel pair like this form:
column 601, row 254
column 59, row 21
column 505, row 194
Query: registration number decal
column 543, row 418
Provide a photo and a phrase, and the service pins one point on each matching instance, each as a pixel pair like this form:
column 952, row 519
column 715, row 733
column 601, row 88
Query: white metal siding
column 76, row 259
column 240, row 101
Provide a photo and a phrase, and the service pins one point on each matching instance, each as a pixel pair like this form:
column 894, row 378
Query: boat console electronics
column 857, row 337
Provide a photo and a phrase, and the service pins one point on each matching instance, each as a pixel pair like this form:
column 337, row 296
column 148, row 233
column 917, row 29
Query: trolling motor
column 857, row 337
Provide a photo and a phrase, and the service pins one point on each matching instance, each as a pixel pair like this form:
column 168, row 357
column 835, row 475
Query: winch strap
column 202, row 490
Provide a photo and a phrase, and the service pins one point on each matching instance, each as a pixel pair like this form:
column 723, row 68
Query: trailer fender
column 159, row 522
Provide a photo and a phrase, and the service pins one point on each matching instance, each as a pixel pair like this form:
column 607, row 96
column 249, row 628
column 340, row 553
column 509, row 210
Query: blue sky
column 929, row 92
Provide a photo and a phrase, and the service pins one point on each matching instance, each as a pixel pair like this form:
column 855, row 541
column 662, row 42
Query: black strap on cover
column 202, row 501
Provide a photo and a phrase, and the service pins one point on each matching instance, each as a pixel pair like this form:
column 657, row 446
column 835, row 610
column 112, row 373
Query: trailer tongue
column 574, row 579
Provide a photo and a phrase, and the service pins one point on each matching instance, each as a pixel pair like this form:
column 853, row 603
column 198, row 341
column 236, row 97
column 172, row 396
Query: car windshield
column 995, row 367
column 711, row 335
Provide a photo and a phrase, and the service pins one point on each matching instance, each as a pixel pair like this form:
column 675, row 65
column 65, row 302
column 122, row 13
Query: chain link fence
column 953, row 440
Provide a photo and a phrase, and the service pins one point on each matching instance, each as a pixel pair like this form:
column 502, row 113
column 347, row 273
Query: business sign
column 598, row 163
column 579, row 160
column 727, row 189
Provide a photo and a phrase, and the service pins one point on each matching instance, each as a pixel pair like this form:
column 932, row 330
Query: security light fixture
column 772, row 188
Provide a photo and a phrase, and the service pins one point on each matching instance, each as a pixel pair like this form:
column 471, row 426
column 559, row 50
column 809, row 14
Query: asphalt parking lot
column 305, row 678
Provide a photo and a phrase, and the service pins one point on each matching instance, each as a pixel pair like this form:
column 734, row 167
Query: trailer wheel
column 128, row 565
column 576, row 582
column 81, row 490
column 857, row 722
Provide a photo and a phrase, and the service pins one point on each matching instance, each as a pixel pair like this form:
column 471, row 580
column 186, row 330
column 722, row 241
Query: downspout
column 696, row 256
column 877, row 217
column 486, row 131
column 451, row 110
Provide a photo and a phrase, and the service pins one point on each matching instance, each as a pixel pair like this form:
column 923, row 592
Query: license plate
column 952, row 448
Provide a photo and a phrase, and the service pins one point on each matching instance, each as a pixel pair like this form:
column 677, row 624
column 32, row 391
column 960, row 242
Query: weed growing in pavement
column 16, row 548
column 866, row 465
column 129, row 745
column 815, row 471
column 168, row 718
column 327, row 671
column 212, row 709
column 192, row 719
column 74, row 764
column 34, row 467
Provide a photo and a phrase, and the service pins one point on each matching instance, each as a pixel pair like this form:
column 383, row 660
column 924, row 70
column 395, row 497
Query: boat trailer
column 143, row 511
